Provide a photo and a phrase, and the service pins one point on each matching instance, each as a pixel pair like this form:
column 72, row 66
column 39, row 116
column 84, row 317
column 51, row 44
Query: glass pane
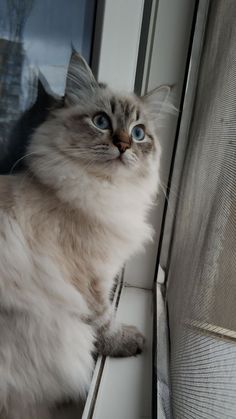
column 36, row 36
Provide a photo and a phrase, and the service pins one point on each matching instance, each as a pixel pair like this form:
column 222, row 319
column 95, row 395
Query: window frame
column 139, row 273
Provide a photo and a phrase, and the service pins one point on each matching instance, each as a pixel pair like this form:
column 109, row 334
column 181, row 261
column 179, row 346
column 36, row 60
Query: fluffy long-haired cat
column 67, row 225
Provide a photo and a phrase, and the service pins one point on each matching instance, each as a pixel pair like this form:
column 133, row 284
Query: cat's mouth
column 127, row 159
column 121, row 159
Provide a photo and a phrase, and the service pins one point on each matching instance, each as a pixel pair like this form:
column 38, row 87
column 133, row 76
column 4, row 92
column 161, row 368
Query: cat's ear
column 159, row 102
column 80, row 81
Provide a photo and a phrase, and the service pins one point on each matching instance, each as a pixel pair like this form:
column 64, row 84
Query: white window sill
column 122, row 388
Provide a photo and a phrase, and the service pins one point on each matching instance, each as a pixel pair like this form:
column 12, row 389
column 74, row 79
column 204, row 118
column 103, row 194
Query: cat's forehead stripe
column 124, row 108
column 113, row 105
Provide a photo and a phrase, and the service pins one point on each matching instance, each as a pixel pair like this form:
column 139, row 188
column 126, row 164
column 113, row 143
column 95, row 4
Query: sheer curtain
column 201, row 295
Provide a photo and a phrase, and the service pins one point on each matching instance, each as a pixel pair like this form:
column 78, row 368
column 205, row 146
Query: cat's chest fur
column 89, row 242
column 94, row 247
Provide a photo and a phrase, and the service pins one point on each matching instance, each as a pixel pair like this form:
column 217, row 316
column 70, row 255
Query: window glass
column 37, row 36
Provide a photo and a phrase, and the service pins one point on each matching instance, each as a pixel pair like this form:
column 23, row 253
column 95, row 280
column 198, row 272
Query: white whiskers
column 22, row 158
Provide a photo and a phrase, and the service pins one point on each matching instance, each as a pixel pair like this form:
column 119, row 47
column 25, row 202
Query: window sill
column 122, row 388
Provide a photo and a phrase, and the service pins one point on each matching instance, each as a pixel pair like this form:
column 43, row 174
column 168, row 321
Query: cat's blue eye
column 102, row 121
column 138, row 133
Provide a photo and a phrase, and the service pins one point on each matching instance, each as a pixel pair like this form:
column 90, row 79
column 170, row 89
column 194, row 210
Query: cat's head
column 105, row 133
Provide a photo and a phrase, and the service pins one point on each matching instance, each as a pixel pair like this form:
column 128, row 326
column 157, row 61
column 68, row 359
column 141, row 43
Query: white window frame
column 115, row 63
column 122, row 388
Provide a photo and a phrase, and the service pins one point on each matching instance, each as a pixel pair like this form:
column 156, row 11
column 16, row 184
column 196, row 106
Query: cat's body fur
column 66, row 228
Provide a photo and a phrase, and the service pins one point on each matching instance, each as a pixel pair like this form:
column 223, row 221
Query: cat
column 67, row 226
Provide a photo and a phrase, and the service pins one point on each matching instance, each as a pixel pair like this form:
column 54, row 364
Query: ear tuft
column 80, row 82
column 160, row 101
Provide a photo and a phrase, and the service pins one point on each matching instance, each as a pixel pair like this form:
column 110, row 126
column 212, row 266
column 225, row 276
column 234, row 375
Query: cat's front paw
column 127, row 341
column 132, row 341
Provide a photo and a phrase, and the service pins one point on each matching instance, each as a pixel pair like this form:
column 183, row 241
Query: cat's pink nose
column 122, row 141
column 122, row 147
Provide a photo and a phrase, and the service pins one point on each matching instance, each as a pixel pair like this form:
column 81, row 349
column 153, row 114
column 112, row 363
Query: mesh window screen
column 202, row 274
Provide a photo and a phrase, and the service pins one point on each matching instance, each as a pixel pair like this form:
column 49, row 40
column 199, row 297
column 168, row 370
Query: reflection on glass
column 36, row 36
